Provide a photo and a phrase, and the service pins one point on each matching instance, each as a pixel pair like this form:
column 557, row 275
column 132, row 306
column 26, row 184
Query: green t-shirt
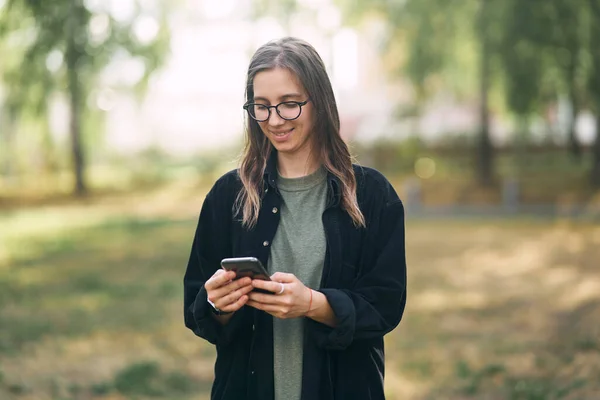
column 298, row 248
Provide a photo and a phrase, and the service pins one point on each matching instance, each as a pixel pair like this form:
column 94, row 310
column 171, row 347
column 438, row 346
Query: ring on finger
column 282, row 288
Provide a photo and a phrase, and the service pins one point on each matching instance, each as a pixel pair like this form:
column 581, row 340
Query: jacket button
column 265, row 243
column 275, row 210
column 266, row 190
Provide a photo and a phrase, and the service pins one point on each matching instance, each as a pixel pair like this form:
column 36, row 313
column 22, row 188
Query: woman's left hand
column 290, row 298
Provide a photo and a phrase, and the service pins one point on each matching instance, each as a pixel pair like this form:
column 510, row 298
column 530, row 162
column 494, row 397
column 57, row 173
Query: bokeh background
column 116, row 116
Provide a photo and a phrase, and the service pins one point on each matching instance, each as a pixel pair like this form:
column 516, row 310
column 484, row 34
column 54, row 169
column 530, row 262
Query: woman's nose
column 275, row 119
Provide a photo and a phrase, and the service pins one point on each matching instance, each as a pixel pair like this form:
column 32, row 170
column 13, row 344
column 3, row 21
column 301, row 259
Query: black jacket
column 364, row 280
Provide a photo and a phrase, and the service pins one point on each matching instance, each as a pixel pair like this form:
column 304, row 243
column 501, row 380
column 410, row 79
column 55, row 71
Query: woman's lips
column 282, row 135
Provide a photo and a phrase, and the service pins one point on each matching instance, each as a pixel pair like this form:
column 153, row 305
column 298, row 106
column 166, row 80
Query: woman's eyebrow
column 282, row 98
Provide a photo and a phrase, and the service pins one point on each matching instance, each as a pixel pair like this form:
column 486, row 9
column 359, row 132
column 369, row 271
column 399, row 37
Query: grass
column 90, row 306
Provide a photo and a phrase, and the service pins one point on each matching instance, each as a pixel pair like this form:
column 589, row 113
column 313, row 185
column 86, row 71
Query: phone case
column 246, row 266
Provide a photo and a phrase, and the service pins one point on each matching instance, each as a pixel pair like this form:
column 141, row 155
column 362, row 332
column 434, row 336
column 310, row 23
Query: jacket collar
column 333, row 182
column 270, row 175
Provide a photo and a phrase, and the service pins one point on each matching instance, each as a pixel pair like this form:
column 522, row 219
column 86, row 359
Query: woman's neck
column 294, row 166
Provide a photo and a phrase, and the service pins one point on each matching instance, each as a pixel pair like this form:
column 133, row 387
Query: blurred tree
column 485, row 153
column 441, row 36
column 525, row 60
column 12, row 51
column 522, row 56
column 594, row 87
column 63, row 46
column 570, row 29
column 542, row 49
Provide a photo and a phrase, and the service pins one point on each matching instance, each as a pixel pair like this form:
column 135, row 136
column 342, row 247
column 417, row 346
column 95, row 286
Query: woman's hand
column 290, row 298
column 225, row 293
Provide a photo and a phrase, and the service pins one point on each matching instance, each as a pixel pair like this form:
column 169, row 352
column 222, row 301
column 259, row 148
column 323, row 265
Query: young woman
column 331, row 234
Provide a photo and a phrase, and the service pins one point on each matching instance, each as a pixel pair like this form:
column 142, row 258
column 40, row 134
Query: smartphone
column 246, row 266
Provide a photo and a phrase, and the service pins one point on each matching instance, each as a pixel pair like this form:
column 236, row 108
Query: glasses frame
column 276, row 107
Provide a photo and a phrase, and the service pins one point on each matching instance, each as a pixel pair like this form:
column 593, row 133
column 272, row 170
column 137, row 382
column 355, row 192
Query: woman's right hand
column 226, row 294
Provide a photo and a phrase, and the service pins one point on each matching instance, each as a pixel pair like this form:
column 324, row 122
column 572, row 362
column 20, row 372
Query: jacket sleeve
column 375, row 304
column 212, row 243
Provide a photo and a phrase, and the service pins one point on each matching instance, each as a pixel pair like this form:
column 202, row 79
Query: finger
column 255, row 304
column 264, row 298
column 233, row 297
column 219, row 279
column 283, row 277
column 237, row 305
column 238, row 283
column 217, row 294
column 270, row 308
column 271, row 286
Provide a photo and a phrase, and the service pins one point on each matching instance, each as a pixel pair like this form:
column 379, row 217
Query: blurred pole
column 484, row 148
column 73, row 62
column 510, row 195
column 413, row 195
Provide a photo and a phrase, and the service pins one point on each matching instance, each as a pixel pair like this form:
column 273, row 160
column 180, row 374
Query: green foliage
column 145, row 378
column 72, row 35
column 430, row 41
column 61, row 48
column 141, row 378
column 520, row 54
column 594, row 81
column 473, row 380
column 528, row 53
column 538, row 49
column 100, row 389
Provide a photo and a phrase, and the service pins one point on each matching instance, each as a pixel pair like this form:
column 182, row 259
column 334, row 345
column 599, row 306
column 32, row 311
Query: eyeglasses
column 288, row 110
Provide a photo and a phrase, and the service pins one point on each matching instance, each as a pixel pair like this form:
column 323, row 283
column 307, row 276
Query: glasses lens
column 259, row 112
column 289, row 110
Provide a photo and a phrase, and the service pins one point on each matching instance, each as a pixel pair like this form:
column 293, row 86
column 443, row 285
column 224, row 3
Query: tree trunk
column 595, row 177
column 7, row 126
column 594, row 87
column 522, row 139
column 48, row 149
column 73, row 56
column 574, row 145
column 484, row 149
column 75, row 133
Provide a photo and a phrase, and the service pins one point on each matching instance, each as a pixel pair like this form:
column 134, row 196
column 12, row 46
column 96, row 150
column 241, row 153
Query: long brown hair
column 303, row 60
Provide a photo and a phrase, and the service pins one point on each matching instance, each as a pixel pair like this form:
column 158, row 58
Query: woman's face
column 272, row 87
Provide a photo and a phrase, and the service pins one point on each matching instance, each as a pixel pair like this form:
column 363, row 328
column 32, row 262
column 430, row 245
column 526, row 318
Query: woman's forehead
column 277, row 83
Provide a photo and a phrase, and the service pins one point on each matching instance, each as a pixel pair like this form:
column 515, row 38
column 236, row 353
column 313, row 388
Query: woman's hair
column 300, row 58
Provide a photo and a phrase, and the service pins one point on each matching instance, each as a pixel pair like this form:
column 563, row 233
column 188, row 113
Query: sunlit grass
column 110, row 295
column 91, row 306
